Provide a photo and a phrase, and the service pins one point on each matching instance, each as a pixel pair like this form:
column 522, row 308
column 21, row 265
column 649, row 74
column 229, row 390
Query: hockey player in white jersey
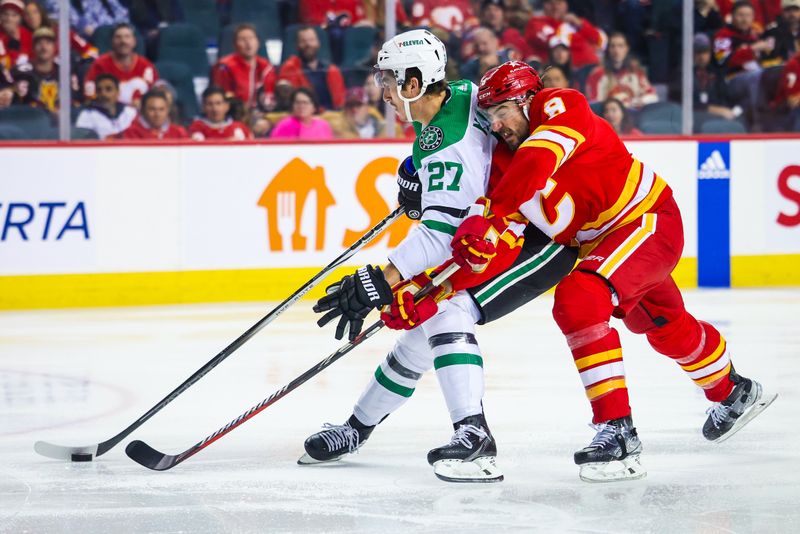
column 448, row 170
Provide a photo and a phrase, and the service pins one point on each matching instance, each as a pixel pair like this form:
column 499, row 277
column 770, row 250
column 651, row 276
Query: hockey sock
column 395, row 378
column 582, row 309
column 456, row 356
column 700, row 350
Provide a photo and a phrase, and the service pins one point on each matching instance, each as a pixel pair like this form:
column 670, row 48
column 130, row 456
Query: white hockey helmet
column 415, row 48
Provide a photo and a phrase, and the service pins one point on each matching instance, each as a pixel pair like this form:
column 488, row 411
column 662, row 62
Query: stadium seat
column 769, row 119
column 204, row 15
column 184, row 43
column 290, row 43
column 10, row 132
column 722, row 126
column 597, row 108
column 263, row 14
column 659, row 126
column 661, row 112
column 226, row 42
column 358, row 43
column 101, row 39
column 35, row 123
column 180, row 77
column 85, row 134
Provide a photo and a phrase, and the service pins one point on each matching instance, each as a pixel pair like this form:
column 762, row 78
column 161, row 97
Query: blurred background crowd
column 283, row 69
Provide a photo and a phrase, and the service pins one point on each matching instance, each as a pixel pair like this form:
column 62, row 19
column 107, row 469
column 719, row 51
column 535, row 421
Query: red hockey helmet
column 513, row 80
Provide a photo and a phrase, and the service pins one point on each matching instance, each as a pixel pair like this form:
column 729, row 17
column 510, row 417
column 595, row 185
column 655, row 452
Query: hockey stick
column 88, row 452
column 142, row 453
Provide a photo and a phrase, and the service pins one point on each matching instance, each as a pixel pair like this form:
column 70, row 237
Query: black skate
column 335, row 441
column 746, row 400
column 470, row 455
column 613, row 454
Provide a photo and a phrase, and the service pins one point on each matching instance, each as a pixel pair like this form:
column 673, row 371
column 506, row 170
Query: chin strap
column 407, row 101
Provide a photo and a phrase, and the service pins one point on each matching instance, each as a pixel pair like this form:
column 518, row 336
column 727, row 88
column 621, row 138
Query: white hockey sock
column 457, row 357
column 395, row 378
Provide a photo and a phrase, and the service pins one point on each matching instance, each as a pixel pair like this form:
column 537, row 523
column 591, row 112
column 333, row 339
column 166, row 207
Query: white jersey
column 453, row 156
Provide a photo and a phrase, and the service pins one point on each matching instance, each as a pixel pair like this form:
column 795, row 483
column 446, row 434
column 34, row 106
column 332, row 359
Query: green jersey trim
column 448, row 126
column 440, row 227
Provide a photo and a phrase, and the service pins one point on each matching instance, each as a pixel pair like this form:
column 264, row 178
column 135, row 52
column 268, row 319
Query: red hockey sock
column 582, row 309
column 700, row 350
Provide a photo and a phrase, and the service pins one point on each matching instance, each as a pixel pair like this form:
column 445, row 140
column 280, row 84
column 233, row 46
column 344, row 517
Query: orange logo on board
column 285, row 198
column 286, row 195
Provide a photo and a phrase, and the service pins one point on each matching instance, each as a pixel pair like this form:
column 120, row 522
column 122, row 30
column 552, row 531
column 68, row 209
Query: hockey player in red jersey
column 573, row 178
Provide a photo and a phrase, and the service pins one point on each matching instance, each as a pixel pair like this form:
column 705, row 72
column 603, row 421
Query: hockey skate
column 613, row 454
column 470, row 455
column 746, row 400
column 334, row 441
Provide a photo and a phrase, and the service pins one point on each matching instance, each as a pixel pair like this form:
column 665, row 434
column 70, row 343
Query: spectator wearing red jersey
column 493, row 16
column 787, row 98
column 764, row 11
column 106, row 115
column 303, row 122
column 556, row 21
column 135, row 73
column 242, row 74
column 154, row 122
column 36, row 83
column 215, row 122
column 307, row 70
column 737, row 48
column 619, row 117
column 16, row 42
column 36, row 17
column 321, row 12
column 453, row 17
column 620, row 77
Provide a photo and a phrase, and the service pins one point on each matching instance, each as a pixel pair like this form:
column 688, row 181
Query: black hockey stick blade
column 143, row 454
column 88, row 452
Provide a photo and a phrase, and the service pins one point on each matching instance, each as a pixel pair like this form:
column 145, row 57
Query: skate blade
column 308, row 460
column 764, row 400
column 480, row 470
column 628, row 469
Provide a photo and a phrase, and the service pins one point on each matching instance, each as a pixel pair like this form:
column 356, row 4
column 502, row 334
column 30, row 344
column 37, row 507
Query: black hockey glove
column 409, row 194
column 353, row 297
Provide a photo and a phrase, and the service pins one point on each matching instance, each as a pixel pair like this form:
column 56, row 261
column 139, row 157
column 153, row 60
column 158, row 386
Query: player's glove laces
column 352, row 298
column 403, row 313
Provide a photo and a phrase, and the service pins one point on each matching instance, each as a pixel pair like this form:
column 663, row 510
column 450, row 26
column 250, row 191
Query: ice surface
column 77, row 377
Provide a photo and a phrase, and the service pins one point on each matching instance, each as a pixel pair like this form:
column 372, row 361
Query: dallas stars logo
column 431, row 138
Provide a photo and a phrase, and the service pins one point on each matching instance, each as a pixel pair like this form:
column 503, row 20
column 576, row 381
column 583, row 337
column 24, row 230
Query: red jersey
column 242, row 79
column 202, row 129
column 789, row 85
column 319, row 12
column 139, row 129
column 583, row 41
column 572, row 177
column 449, row 16
column 133, row 82
column 13, row 52
column 732, row 48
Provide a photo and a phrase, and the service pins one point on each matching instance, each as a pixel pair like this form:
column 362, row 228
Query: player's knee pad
column 582, row 300
column 411, row 351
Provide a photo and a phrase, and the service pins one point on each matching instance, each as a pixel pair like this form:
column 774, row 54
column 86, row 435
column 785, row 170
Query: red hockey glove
column 403, row 313
column 475, row 242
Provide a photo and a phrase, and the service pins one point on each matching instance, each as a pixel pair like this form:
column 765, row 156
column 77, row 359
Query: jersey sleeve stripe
column 563, row 130
column 453, row 212
column 556, row 148
column 440, row 227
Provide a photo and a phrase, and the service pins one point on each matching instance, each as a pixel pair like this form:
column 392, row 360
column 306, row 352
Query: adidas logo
column 714, row 168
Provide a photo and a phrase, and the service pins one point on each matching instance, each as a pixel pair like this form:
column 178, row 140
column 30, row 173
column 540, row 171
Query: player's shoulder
column 561, row 99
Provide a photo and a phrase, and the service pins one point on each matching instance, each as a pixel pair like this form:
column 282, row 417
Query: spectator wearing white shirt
column 106, row 115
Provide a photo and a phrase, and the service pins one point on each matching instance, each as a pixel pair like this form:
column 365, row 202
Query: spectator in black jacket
column 710, row 90
column 785, row 32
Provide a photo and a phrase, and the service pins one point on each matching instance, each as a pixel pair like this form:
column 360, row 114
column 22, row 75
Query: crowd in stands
column 301, row 69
